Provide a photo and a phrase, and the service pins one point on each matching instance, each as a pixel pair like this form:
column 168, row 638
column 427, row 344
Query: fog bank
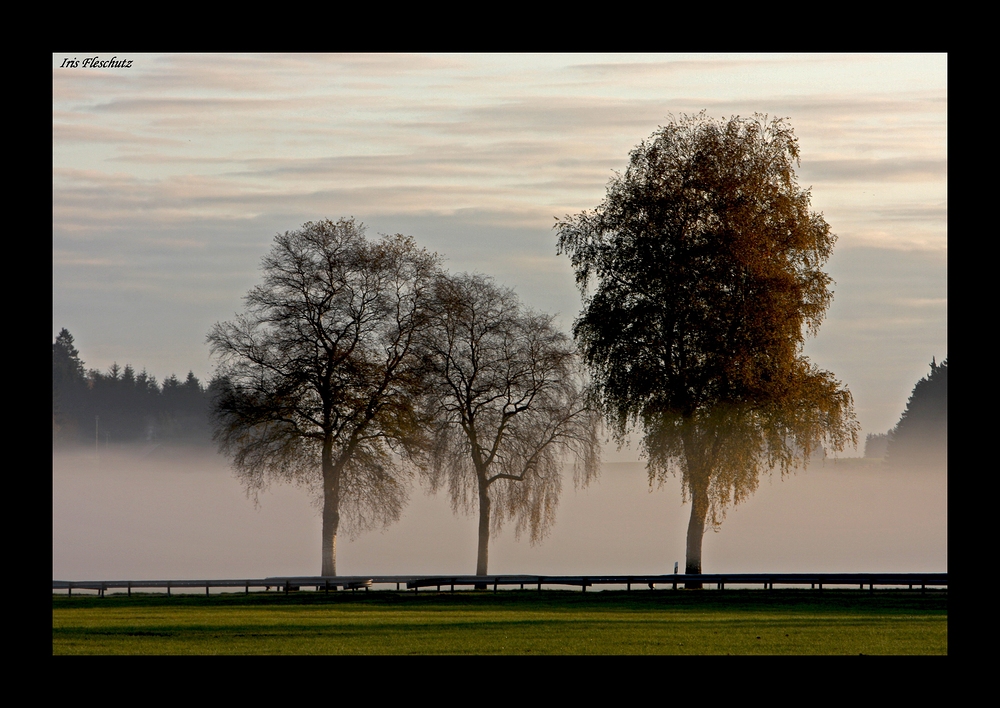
column 169, row 513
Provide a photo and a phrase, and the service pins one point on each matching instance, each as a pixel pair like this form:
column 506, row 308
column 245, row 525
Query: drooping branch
column 321, row 373
column 506, row 403
column 701, row 276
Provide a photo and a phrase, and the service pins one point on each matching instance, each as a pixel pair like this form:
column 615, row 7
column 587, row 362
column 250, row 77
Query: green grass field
column 745, row 622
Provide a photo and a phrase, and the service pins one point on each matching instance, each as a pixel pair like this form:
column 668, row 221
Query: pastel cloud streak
column 171, row 178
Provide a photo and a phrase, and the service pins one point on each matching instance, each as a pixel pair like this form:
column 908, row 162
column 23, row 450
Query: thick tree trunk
column 482, row 559
column 695, row 534
column 331, row 512
column 331, row 521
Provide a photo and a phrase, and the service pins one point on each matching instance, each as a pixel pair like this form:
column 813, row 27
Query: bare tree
column 320, row 373
column 505, row 389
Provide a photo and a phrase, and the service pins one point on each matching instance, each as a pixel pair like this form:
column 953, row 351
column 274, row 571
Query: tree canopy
column 67, row 369
column 321, row 372
column 920, row 438
column 701, row 276
column 505, row 392
column 68, row 383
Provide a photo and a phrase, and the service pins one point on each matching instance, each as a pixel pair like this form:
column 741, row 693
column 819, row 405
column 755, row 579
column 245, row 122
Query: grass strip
column 741, row 622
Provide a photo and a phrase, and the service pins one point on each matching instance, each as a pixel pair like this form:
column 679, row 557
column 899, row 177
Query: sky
column 173, row 173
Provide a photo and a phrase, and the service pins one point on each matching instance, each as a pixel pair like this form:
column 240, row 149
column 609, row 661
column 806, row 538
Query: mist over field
column 175, row 513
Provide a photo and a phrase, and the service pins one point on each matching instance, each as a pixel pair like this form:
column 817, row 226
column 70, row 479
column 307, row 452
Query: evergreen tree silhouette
column 920, row 438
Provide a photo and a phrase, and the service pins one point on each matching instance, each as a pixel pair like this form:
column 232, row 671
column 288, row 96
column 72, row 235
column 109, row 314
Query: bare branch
column 322, row 375
column 507, row 406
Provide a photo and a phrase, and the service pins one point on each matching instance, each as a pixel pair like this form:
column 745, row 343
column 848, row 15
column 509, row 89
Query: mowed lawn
column 744, row 622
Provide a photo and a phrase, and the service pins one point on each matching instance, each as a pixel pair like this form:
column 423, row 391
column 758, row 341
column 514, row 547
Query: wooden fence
column 767, row 581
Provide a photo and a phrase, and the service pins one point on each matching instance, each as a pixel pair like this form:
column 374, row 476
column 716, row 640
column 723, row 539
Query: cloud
column 172, row 179
column 205, row 106
column 922, row 302
column 908, row 240
column 62, row 257
column 65, row 133
column 873, row 170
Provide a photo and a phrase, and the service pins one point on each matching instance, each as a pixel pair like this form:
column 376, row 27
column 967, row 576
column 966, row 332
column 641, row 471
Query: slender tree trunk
column 482, row 559
column 696, row 533
column 699, row 470
column 331, row 511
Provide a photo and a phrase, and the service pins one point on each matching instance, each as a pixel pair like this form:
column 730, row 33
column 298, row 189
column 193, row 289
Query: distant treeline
column 921, row 435
column 122, row 406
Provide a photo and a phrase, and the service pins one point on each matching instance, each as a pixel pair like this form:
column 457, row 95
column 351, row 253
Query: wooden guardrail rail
column 415, row 582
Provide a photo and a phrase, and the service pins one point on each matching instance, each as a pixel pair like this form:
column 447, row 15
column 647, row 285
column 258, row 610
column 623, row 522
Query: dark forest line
column 121, row 406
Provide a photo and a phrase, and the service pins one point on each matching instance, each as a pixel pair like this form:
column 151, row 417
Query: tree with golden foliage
column 705, row 262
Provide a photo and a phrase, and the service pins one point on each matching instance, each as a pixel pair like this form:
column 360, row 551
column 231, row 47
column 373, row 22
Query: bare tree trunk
column 695, row 534
column 331, row 520
column 484, row 533
column 699, row 461
column 331, row 511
